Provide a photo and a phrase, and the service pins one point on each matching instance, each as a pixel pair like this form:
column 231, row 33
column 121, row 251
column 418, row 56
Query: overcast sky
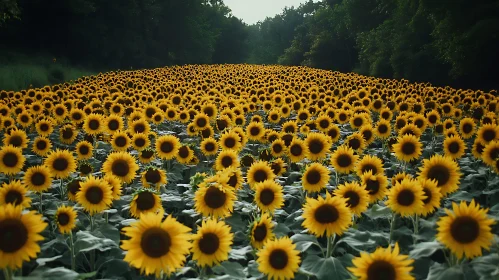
column 252, row 11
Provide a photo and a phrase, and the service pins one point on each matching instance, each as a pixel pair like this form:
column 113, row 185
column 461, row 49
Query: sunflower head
column 65, row 218
column 260, row 231
column 212, row 243
column 167, row 146
column 95, row 195
column 406, row 198
column 145, row 201
column 14, row 193
column 153, row 178
column 318, row 145
column 226, row 159
column 214, row 198
column 444, row 170
column 279, row 259
column 407, row 148
column 357, row 197
column 326, row 216
column 269, row 195
column 259, row 172
column 121, row 165
column 315, row 178
column 11, row 160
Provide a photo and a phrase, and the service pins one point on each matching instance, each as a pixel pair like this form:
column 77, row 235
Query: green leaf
column 425, row 249
column 379, row 212
column 108, row 231
column 303, row 241
column 114, row 267
column 233, row 269
column 327, row 269
column 252, row 269
column 363, row 240
column 487, row 267
column 240, row 254
column 85, row 241
column 443, row 272
column 43, row 261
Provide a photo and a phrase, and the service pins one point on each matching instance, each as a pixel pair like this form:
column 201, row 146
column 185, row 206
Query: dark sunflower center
column 367, row 134
column 15, row 141
column 13, row 235
column 120, row 141
column 405, row 198
column 153, row 176
column 38, row 179
column 313, row 177
column 267, row 197
column 316, row 146
column 155, row 242
column 454, row 147
column 13, row 197
column 166, row 147
column 326, row 214
column 344, row 160
column 277, row 148
column 214, row 198
column 260, row 232
column 296, row 150
column 221, row 124
column 171, row 114
column 381, row 270
column 278, row 259
column 247, row 160
column 209, row 243
column 59, row 111
column 63, row 219
column 183, row 152
column 260, row 176
column 44, row 127
column 84, row 150
column 324, row 124
column 428, row 195
column 60, row 164
column 201, row 122
column 85, row 168
column 432, row 119
column 24, row 118
column 372, row 186
column 147, row 154
column 113, row 125
column 489, row 135
column 357, row 122
column 94, row 124
column 94, row 195
column 67, row 133
column 74, row 187
column 230, row 142
column 276, row 168
column 76, row 116
column 353, row 198
column 120, row 168
column 254, row 131
column 467, row 128
column 140, row 142
column 226, row 161
column 210, row 147
column 232, row 181
column 382, row 128
column 145, row 201
column 10, row 159
column 354, row 143
column 139, row 128
column 465, row 229
column 408, row 148
column 440, row 173
column 369, row 167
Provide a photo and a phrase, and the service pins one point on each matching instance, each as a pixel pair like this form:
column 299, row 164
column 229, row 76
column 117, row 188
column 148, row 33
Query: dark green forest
column 443, row 42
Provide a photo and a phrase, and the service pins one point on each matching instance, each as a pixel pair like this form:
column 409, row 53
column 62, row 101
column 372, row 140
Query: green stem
column 330, row 243
column 416, row 228
column 7, row 274
column 41, row 203
column 92, row 253
column 202, row 272
column 392, row 227
column 62, row 189
column 107, row 217
column 72, row 248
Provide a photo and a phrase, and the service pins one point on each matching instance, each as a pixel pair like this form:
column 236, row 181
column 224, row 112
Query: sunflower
column 19, row 234
column 315, row 177
column 146, row 156
column 211, row 244
column 209, row 146
column 278, row 166
column 290, row 127
column 433, row 117
column 334, row 133
column 356, row 141
column 212, row 199
column 269, row 196
column 77, row 116
column 382, row 264
column 278, row 148
column 358, row 120
column 185, row 154
column 38, row 178
column 95, row 195
column 140, row 141
column 68, row 134
column 407, row 148
column 11, row 160
column 274, row 117
column 375, row 185
column 65, row 217
column 326, row 216
column 14, row 193
column 297, row 150
column 145, row 201
column 444, row 170
column 368, row 133
column 410, row 129
column 490, row 153
column 433, row 196
column 343, row 159
column 115, row 184
column 120, row 141
column 356, row 197
column 139, row 126
column 73, row 188
column 153, row 178
column 121, row 165
column 44, row 127
column 318, row 146
column 466, row 230
column 201, row 121
column 84, row 150
column 399, row 177
column 227, row 159
column 259, row 172
column 406, row 198
column 488, row 132
column 370, row 163
column 155, row 246
column 279, row 259
column 255, row 131
column 454, row 147
column 467, row 127
column 260, row 231
column 230, row 140
column 16, row 138
column 93, row 124
column 61, row 163
column 167, row 146
column 42, row 146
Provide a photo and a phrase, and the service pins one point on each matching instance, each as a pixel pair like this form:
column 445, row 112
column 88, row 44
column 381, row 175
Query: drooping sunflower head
column 145, row 201
column 375, row 185
column 14, row 193
column 356, row 197
column 326, row 216
column 279, row 259
column 370, row 163
column 269, row 195
column 235, row 177
column 167, row 146
column 407, row 148
column 38, row 178
column 315, row 178
column 156, row 246
column 153, row 178
column 65, row 218
column 212, row 243
column 259, row 172
column 454, row 147
column 318, row 145
column 19, row 234
column 73, row 188
column 121, row 165
column 147, row 155
column 444, row 170
column 386, row 264
column 466, row 230
column 406, row 198
column 260, row 231
column 477, row 148
column 61, row 163
column 11, row 160
column 115, row 184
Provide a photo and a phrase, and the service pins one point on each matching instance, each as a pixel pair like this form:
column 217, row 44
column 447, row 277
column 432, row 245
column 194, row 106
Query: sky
column 252, row 11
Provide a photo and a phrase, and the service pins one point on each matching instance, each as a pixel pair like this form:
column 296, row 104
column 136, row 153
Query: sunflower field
column 248, row 172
